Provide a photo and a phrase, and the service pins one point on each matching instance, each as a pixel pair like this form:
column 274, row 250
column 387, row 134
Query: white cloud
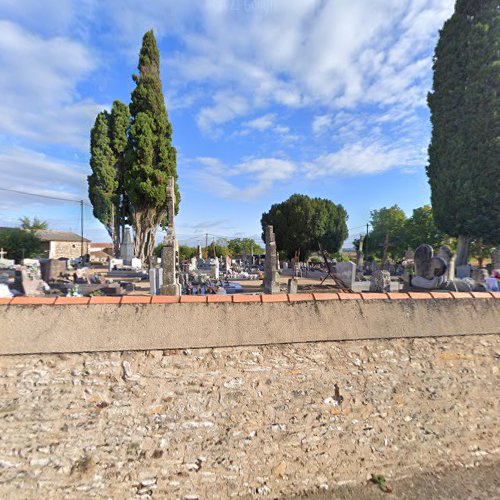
column 321, row 123
column 38, row 85
column 334, row 54
column 256, row 176
column 262, row 123
column 364, row 158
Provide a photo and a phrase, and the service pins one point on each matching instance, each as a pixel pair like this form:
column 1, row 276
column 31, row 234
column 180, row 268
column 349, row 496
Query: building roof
column 101, row 245
column 51, row 235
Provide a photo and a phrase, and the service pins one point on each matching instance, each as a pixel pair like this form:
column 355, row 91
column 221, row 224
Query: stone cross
column 271, row 276
column 3, row 253
column 170, row 254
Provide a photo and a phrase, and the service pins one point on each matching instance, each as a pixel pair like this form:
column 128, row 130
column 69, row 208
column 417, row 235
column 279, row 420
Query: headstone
column 228, row 263
column 118, row 263
column 199, row 255
column 495, row 258
column 360, row 258
column 449, row 257
column 426, row 265
column 52, row 269
column 155, row 280
column 32, row 286
column 31, row 262
column 5, row 263
column 346, row 271
column 193, row 264
column 464, row 271
column 170, row 254
column 136, row 263
column 293, row 285
column 127, row 248
column 479, row 276
column 271, row 276
column 245, row 259
column 380, row 281
column 214, row 268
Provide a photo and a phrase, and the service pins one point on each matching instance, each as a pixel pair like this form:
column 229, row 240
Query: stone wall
column 218, row 423
column 68, row 249
column 66, row 324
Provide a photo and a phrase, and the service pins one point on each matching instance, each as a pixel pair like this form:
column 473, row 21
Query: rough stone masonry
column 219, row 423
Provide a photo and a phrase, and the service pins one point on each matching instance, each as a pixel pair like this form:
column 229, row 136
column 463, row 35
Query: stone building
column 62, row 244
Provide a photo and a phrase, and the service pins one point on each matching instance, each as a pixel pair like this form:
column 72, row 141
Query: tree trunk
column 145, row 225
column 462, row 250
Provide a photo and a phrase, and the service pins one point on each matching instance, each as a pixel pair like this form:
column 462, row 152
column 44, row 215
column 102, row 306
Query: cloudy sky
column 266, row 97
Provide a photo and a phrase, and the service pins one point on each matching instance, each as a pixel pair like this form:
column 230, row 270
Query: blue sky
column 266, row 97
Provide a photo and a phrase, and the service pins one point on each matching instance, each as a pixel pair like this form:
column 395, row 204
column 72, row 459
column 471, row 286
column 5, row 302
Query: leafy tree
column 236, row 246
column 150, row 156
column 108, row 139
column 33, row 225
column 19, row 243
column 387, row 234
column 421, row 228
column 301, row 223
column 464, row 153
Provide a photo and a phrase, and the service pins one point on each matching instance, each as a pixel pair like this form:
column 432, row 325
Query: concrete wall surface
column 257, row 421
column 133, row 323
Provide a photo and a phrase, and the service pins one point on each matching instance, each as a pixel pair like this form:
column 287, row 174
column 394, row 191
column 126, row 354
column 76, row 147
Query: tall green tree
column 464, row 153
column 421, row 228
column 236, row 246
column 301, row 223
column 387, row 234
column 108, row 139
column 150, row 156
column 33, row 225
column 20, row 244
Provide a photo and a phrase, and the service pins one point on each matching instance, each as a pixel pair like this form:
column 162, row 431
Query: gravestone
column 136, row 263
column 380, row 282
column 52, row 269
column 360, row 258
column 449, row 257
column 5, row 263
column 118, row 263
column 127, row 248
column 293, row 285
column 429, row 270
column 495, row 258
column 193, row 264
column 464, row 271
column 214, row 268
column 271, row 276
column 479, row 276
column 155, row 280
column 346, row 271
column 170, row 253
column 31, row 286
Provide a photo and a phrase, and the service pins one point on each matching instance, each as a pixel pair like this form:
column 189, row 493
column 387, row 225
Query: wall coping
column 244, row 298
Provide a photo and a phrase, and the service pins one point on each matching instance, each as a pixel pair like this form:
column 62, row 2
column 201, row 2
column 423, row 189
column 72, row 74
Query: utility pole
column 81, row 229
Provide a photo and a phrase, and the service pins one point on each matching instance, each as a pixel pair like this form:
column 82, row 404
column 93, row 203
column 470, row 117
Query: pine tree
column 108, row 139
column 150, row 156
column 464, row 154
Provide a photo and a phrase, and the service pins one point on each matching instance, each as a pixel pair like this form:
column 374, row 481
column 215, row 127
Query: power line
column 44, row 196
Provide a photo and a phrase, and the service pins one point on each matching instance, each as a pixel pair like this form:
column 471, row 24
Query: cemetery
column 311, row 360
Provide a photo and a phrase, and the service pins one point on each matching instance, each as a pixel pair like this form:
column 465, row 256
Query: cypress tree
column 150, row 156
column 108, row 139
column 464, row 153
